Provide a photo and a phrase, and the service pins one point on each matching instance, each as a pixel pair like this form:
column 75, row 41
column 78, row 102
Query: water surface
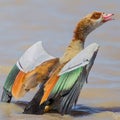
column 24, row 22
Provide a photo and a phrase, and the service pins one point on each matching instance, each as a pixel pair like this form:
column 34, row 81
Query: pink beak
column 107, row 17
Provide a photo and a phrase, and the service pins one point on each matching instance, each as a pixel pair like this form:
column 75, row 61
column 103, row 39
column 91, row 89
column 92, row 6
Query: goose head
column 89, row 23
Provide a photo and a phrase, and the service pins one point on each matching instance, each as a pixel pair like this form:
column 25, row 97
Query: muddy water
column 24, row 22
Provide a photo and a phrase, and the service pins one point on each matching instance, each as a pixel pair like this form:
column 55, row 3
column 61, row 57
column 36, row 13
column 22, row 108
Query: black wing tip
column 6, row 96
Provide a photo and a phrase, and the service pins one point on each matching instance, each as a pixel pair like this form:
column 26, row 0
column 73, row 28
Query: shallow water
column 23, row 23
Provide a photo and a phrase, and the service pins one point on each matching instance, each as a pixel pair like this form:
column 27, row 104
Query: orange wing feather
column 49, row 85
column 18, row 83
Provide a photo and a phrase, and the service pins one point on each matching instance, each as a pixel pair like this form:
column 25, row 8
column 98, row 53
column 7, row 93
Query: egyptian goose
column 59, row 87
column 62, row 78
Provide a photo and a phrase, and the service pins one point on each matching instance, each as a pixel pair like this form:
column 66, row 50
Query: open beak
column 107, row 17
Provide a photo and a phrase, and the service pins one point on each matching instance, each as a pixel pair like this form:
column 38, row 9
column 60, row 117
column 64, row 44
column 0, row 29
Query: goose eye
column 96, row 15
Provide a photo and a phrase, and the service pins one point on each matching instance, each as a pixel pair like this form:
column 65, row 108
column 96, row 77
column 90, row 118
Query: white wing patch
column 33, row 56
column 81, row 59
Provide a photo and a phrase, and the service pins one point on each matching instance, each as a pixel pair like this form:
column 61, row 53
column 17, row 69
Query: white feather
column 81, row 59
column 33, row 56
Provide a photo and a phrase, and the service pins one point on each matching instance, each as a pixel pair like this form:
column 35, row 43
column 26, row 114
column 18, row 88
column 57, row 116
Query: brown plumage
column 83, row 28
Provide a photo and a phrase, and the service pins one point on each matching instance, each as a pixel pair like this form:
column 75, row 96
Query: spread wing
column 33, row 57
column 26, row 81
column 32, row 68
column 71, row 79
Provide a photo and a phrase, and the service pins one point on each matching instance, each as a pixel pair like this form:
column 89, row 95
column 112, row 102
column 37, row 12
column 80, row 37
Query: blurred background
column 24, row 22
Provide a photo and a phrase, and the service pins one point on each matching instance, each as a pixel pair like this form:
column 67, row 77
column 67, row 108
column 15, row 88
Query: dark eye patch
column 96, row 15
